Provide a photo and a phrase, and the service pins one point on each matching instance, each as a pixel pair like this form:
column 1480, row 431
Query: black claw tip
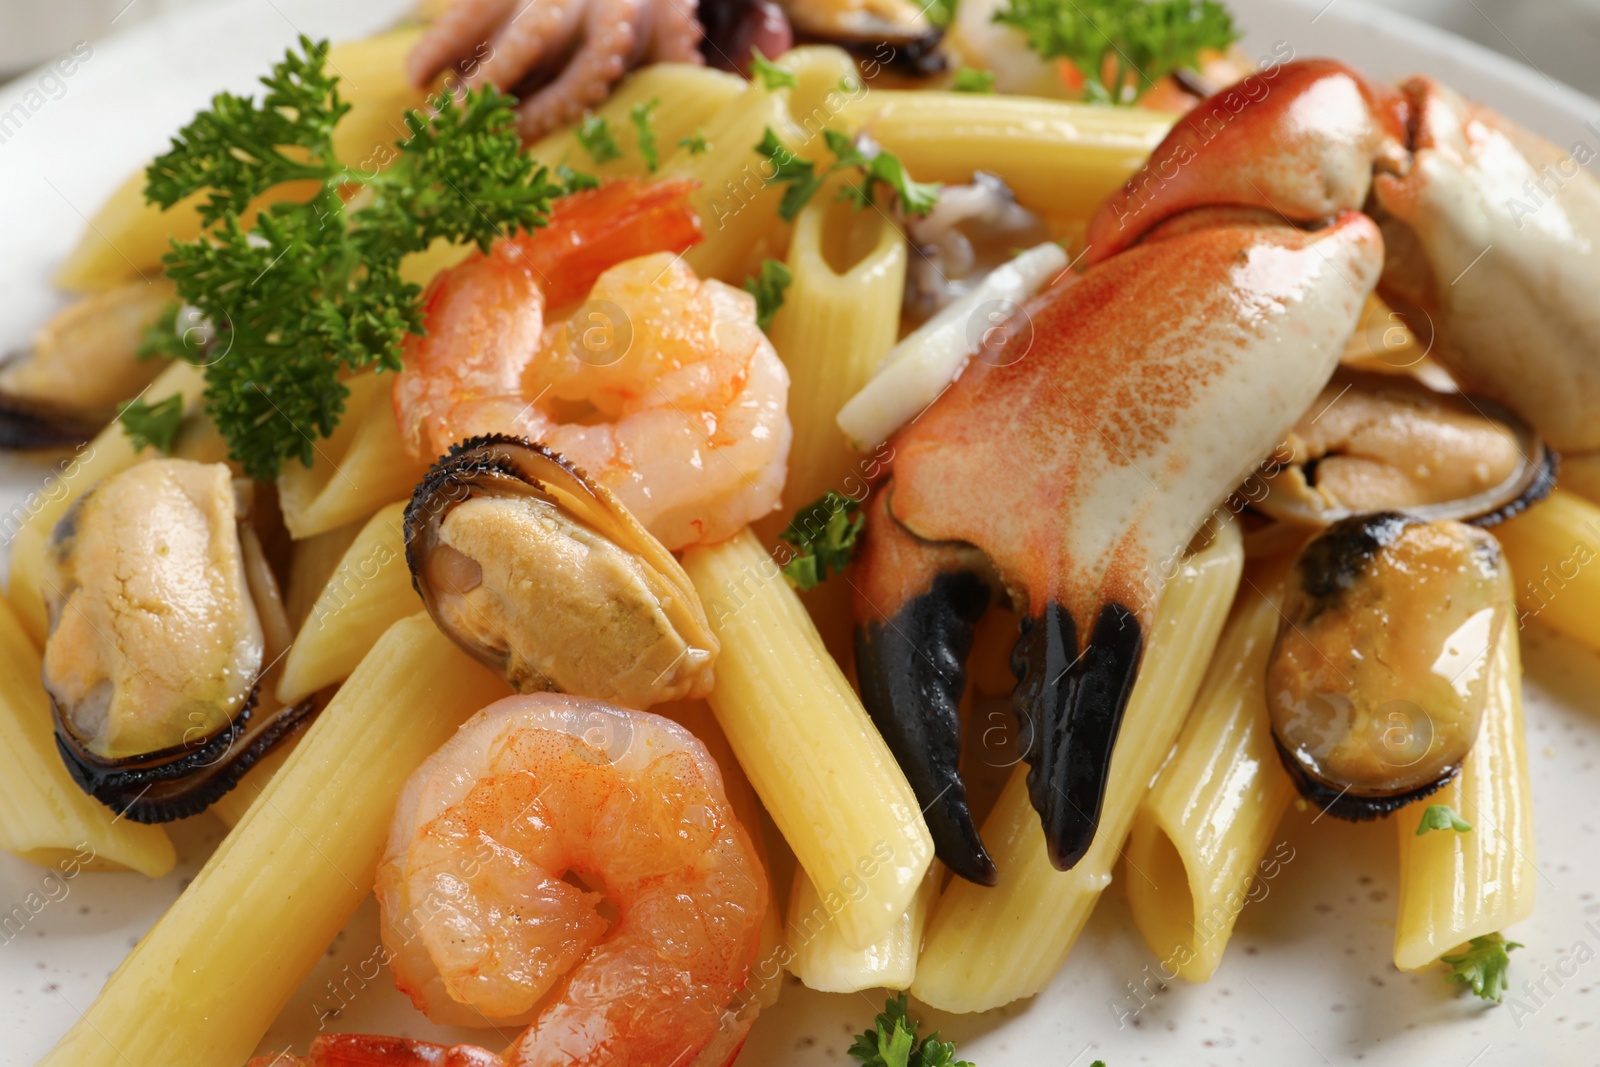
column 1070, row 707
column 913, row 670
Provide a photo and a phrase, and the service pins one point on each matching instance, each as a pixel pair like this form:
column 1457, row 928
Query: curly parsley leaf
column 161, row 339
column 695, row 143
column 639, row 115
column 941, row 12
column 768, row 287
column 875, row 166
column 972, row 80
column 824, row 535
column 770, row 74
column 595, row 136
column 152, row 424
column 313, row 289
column 1483, row 965
column 573, row 181
column 893, row 1042
column 1442, row 817
column 1138, row 41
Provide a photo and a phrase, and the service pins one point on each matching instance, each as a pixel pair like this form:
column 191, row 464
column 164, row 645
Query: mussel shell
column 1333, row 567
column 1530, row 483
column 26, row 425
column 497, row 464
column 183, row 780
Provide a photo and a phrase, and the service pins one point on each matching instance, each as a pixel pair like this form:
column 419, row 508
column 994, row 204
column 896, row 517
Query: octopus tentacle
column 677, row 36
column 460, row 28
column 611, row 37
column 537, row 30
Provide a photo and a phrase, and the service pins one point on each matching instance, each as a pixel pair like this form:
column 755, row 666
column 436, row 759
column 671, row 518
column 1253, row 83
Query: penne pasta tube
column 987, row 947
column 1554, row 549
column 738, row 210
column 367, row 593
column 839, row 316
column 824, row 962
column 128, row 235
column 921, row 367
column 1203, row 829
column 44, row 816
column 1061, row 159
column 686, row 97
column 806, row 743
column 1457, row 886
column 357, row 470
column 206, row 982
column 311, row 564
column 31, row 522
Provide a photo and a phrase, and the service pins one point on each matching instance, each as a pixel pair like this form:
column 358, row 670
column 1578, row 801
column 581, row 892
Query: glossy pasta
column 1202, row 832
column 1060, row 159
column 988, row 947
column 839, row 317
column 1457, row 886
column 358, row 469
column 1554, row 549
column 44, row 816
column 202, row 987
column 824, row 961
column 367, row 592
column 802, row 736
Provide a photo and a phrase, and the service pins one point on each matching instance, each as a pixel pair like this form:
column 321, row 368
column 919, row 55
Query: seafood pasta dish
column 678, row 500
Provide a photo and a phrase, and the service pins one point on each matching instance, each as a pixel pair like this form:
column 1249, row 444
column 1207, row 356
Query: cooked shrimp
column 573, row 865
column 661, row 387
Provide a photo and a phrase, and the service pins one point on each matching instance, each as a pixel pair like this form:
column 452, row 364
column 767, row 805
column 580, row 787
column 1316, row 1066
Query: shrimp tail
column 591, row 231
column 371, row 1050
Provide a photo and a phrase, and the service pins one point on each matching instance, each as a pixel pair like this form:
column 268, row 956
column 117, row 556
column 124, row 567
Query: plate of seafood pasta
column 621, row 532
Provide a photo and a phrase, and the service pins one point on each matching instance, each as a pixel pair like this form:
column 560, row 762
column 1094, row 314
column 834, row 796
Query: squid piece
column 1066, row 471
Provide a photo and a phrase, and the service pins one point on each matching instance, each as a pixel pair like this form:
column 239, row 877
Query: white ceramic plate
column 1308, row 978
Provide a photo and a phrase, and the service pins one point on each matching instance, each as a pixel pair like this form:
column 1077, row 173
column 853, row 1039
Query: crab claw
column 1078, row 462
column 1492, row 234
column 917, row 604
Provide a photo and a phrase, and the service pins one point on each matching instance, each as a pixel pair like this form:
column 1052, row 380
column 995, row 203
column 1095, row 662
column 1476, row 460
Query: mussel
column 893, row 33
column 163, row 615
column 1373, row 442
column 547, row 578
column 1377, row 682
column 65, row 386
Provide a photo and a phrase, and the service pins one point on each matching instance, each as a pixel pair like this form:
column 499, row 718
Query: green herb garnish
column 972, row 80
column 770, row 74
column 1442, row 817
column 1139, row 41
column 594, row 134
column 767, row 286
column 940, row 12
column 916, row 198
column 893, row 1042
column 824, row 535
column 152, row 424
column 313, row 289
column 1483, row 965
column 695, row 143
column 639, row 114
column 573, row 181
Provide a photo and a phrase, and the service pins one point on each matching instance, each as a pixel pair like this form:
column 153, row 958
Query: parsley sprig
column 155, row 424
column 1139, row 41
column 873, row 165
column 1442, row 817
column 639, row 115
column 313, row 288
column 1482, row 966
column 893, row 1042
column 823, row 535
column 595, row 137
column 768, row 286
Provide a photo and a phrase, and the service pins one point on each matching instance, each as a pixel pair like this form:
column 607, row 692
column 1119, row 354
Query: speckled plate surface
column 1308, row 979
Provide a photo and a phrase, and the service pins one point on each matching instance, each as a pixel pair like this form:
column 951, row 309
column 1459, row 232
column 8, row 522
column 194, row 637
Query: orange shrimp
column 661, row 386
column 576, row 867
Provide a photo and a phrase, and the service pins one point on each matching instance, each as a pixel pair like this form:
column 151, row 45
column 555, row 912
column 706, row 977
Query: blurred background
column 1558, row 37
